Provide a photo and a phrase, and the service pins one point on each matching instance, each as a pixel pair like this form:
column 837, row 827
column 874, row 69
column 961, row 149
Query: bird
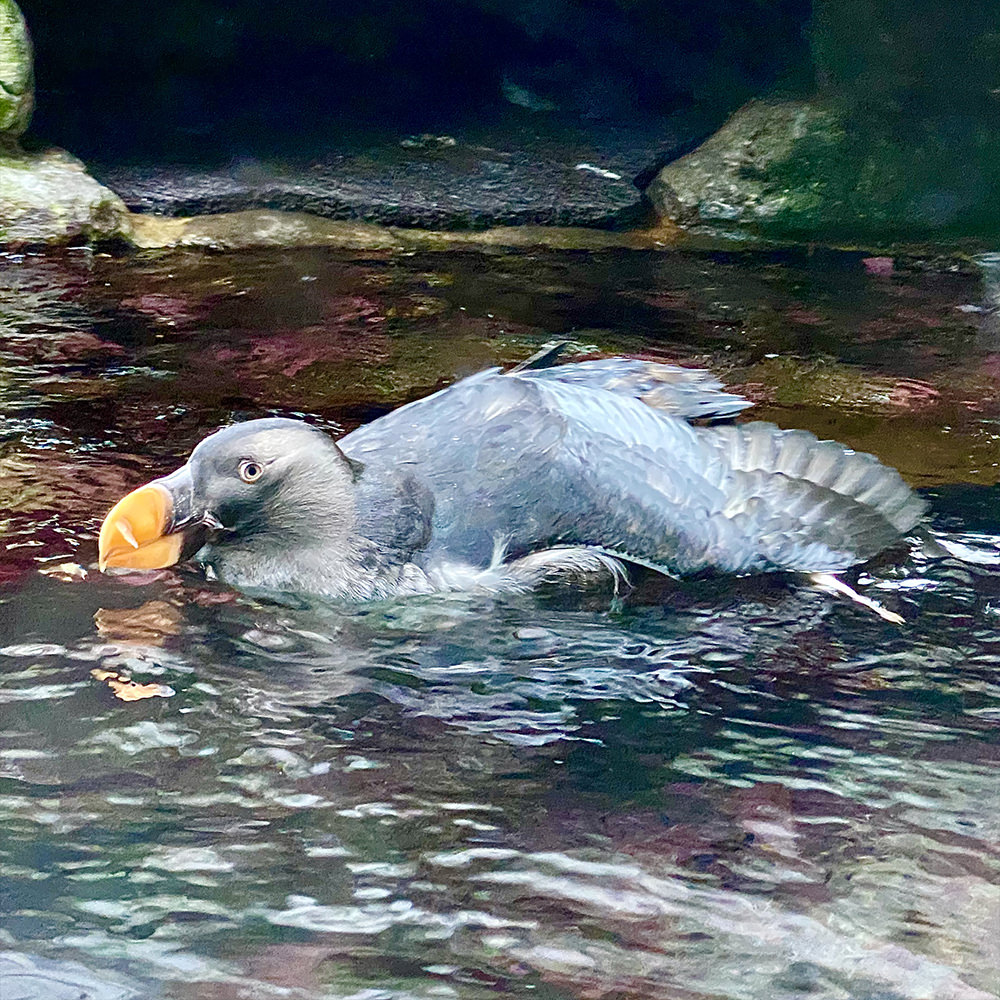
column 503, row 481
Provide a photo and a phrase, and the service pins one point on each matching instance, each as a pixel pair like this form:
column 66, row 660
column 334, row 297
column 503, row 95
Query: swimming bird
column 505, row 480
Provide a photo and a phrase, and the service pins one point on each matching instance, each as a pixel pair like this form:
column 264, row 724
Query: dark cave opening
column 210, row 81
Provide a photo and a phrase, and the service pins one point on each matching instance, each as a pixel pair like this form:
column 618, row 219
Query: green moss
column 17, row 81
column 863, row 181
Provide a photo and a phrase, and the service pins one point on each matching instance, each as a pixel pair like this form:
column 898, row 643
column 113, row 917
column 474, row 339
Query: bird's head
column 273, row 482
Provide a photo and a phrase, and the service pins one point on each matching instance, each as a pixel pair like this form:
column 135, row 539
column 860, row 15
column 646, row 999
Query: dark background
column 201, row 80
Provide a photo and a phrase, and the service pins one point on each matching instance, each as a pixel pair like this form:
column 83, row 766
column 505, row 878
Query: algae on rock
column 17, row 78
column 728, row 181
column 808, row 170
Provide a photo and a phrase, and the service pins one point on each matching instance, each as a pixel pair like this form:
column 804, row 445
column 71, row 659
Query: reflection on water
column 737, row 789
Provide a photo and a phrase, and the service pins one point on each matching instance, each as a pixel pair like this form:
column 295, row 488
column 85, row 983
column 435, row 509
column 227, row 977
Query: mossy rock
column 904, row 60
column 49, row 197
column 726, row 182
column 808, row 170
column 17, row 79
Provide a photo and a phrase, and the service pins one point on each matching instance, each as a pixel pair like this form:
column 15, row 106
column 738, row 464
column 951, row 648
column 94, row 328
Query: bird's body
column 503, row 480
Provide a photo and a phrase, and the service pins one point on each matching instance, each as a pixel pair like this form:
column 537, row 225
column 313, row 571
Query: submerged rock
column 48, row 197
column 17, row 79
column 258, row 230
column 262, row 228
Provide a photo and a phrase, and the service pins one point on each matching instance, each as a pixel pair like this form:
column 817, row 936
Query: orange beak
column 136, row 533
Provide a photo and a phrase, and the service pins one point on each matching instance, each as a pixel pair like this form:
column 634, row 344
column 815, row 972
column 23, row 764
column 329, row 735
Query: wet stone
column 430, row 182
column 48, row 197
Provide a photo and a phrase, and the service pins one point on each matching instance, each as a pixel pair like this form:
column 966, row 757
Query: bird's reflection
column 150, row 624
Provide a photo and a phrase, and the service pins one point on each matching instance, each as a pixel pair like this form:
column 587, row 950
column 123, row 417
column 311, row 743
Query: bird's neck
column 349, row 569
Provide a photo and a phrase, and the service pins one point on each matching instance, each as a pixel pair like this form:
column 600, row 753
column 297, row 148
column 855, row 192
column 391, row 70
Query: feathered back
column 577, row 455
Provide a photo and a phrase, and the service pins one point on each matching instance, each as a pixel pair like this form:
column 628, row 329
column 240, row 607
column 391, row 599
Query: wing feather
column 539, row 461
column 690, row 393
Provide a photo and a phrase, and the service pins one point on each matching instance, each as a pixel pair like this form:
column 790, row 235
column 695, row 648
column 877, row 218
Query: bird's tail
column 810, row 498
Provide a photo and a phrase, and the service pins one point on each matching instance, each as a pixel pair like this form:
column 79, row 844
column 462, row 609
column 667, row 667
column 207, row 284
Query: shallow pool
column 715, row 789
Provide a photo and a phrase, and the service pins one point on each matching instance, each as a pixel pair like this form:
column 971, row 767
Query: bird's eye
column 250, row 472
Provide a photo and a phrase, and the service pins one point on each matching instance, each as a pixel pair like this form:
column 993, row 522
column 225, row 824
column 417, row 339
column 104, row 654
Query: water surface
column 716, row 789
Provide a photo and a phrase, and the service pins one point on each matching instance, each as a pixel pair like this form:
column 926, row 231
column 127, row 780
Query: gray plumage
column 691, row 393
column 502, row 480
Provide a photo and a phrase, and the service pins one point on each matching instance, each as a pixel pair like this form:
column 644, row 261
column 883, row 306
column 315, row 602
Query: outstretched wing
column 537, row 462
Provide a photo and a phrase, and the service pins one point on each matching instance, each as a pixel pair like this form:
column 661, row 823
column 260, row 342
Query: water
column 722, row 789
